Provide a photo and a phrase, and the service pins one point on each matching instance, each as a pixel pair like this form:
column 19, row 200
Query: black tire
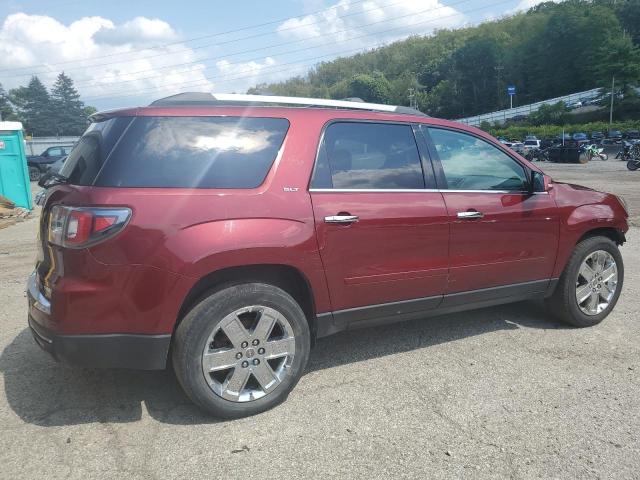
column 563, row 303
column 193, row 333
column 633, row 165
column 34, row 173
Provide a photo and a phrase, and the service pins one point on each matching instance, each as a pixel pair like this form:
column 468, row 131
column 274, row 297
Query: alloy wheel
column 248, row 354
column 597, row 282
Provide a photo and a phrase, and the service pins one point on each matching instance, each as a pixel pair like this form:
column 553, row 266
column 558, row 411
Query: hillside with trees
column 43, row 113
column 551, row 50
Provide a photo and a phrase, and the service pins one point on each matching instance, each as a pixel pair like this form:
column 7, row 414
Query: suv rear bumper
column 143, row 352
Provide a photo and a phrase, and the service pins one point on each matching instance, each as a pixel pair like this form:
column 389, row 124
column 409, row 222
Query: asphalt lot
column 501, row 392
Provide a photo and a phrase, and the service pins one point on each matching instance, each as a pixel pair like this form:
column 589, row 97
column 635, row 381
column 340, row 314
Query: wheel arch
column 612, row 233
column 288, row 278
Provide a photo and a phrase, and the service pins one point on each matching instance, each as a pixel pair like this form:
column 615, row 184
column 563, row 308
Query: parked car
column 528, row 144
column 616, row 134
column 596, row 136
column 579, row 137
column 547, row 142
column 39, row 164
column 517, row 147
column 566, row 138
column 56, row 166
column 631, row 135
column 226, row 233
column 575, row 104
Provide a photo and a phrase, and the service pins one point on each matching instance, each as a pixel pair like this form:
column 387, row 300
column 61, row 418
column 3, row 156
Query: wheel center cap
column 250, row 353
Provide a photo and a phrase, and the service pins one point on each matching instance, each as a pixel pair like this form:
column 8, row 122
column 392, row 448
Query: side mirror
column 540, row 182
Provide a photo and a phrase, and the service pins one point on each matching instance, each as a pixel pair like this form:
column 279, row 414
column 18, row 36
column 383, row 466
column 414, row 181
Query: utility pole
column 613, row 83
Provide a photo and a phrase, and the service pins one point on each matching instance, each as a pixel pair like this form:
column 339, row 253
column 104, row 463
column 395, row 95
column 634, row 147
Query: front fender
column 581, row 220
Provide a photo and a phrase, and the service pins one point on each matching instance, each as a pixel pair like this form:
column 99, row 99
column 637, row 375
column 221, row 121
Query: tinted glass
column 195, row 152
column 55, row 152
column 88, row 156
column 470, row 163
column 368, row 156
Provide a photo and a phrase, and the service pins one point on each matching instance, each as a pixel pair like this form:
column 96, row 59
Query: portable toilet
column 14, row 175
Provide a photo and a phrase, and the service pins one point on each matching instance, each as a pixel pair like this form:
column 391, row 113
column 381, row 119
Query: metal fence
column 503, row 115
column 37, row 145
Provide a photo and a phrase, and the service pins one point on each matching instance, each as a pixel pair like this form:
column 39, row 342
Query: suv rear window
column 87, row 157
column 195, row 152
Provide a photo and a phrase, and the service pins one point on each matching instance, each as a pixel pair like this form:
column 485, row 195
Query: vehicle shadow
column 45, row 393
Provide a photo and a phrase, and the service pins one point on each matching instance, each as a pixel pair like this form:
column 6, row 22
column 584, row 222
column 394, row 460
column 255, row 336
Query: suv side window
column 470, row 163
column 362, row 155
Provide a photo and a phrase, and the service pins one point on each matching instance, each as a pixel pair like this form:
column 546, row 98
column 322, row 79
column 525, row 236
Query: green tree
column 556, row 114
column 6, row 109
column 68, row 109
column 34, row 108
column 370, row 88
column 618, row 58
column 89, row 110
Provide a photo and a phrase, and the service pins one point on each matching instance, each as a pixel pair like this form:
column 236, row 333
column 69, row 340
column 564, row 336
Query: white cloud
column 527, row 4
column 349, row 19
column 50, row 47
column 139, row 31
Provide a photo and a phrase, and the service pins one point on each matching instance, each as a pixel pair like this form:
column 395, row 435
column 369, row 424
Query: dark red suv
column 228, row 232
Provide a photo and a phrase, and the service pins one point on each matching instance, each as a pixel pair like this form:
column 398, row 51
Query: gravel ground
column 499, row 392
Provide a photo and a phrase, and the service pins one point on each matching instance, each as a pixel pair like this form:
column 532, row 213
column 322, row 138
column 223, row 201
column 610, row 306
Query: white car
column 529, row 144
column 518, row 147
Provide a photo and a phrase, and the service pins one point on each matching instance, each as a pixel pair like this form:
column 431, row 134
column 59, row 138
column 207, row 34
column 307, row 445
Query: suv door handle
column 341, row 219
column 470, row 214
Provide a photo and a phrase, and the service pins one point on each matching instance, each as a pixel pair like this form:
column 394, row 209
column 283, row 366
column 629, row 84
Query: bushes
column 544, row 131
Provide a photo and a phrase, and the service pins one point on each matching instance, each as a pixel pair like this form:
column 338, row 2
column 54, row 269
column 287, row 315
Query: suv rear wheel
column 241, row 350
column 591, row 283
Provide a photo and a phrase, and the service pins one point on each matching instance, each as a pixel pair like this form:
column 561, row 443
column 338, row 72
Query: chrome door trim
column 341, row 219
column 470, row 215
column 416, row 190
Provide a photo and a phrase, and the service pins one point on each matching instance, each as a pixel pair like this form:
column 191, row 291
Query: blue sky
column 128, row 52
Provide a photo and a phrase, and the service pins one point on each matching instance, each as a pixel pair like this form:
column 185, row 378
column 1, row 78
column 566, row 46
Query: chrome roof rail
column 202, row 98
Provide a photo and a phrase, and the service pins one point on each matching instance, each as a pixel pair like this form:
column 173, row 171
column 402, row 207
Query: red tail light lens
column 86, row 226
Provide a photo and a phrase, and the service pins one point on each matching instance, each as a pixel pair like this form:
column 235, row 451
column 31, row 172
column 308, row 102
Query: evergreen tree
column 6, row 109
column 34, row 108
column 68, row 110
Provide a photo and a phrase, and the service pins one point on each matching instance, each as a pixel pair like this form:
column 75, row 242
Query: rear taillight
column 80, row 227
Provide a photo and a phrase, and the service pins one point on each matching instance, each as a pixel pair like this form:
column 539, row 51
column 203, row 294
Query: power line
column 268, row 47
column 47, row 65
column 196, row 83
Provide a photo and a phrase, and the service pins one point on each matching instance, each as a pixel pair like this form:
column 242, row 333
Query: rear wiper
column 51, row 179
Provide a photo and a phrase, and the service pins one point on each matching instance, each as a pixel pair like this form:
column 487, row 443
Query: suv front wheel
column 241, row 350
column 591, row 283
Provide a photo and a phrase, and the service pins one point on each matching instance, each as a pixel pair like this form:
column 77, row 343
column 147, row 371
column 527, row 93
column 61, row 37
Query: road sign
column 511, row 90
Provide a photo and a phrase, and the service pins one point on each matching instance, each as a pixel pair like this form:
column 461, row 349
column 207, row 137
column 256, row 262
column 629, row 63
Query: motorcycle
column 537, row 154
column 593, row 151
column 625, row 153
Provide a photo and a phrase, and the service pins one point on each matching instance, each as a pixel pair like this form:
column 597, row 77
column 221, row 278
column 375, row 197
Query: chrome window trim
column 414, row 190
column 372, row 190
